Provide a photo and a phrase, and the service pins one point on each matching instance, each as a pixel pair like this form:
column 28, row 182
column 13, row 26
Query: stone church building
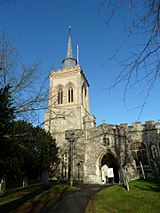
column 127, row 150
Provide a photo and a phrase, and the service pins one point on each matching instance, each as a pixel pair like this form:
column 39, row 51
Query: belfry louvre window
column 70, row 95
column 60, row 96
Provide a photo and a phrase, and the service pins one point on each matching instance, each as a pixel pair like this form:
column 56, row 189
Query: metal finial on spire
column 69, row 29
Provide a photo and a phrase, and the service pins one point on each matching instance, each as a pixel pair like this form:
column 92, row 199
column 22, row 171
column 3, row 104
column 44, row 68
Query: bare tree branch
column 142, row 65
column 27, row 86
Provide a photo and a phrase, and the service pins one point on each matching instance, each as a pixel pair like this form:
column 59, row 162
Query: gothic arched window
column 60, row 96
column 85, row 88
column 139, row 153
column 154, row 151
column 106, row 141
column 70, row 95
column 82, row 94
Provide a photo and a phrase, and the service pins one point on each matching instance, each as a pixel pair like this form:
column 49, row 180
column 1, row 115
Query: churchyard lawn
column 144, row 196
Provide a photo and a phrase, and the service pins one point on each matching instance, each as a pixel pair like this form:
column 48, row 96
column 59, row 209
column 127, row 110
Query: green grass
column 18, row 193
column 144, row 196
column 32, row 199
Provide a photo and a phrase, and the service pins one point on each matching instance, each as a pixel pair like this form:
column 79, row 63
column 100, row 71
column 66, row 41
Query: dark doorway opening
column 109, row 160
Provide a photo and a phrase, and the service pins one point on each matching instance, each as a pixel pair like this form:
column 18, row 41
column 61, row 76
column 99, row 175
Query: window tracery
column 154, row 152
column 60, row 96
column 70, row 95
column 139, row 153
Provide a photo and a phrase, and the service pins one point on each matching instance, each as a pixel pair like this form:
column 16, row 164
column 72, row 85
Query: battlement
column 135, row 126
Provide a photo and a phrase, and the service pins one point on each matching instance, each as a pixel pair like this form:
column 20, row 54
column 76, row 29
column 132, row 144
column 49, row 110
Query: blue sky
column 39, row 28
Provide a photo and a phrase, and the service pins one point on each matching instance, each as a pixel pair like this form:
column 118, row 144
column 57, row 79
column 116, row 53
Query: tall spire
column 69, row 61
column 69, row 50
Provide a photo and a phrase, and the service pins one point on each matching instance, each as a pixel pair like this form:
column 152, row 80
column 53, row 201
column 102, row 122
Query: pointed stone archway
column 109, row 160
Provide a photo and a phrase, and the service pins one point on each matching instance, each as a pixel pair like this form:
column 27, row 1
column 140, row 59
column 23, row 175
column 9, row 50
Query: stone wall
column 116, row 140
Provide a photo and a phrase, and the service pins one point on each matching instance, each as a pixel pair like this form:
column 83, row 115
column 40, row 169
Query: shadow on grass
column 151, row 184
column 45, row 202
column 21, row 189
column 7, row 207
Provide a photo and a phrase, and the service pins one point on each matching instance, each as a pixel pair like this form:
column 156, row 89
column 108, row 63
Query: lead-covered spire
column 69, row 61
column 69, row 50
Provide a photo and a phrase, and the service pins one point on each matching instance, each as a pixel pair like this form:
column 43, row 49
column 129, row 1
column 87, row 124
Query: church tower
column 119, row 148
column 68, row 106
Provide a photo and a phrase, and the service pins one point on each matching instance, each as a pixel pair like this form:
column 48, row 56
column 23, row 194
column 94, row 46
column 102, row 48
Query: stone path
column 75, row 202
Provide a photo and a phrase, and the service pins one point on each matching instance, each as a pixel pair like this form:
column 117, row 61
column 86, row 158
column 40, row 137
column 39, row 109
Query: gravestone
column 2, row 185
column 45, row 177
column 25, row 181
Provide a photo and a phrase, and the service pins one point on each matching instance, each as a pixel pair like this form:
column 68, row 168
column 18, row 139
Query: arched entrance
column 110, row 161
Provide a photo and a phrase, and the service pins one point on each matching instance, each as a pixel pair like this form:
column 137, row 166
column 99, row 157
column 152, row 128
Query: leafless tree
column 27, row 86
column 142, row 65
